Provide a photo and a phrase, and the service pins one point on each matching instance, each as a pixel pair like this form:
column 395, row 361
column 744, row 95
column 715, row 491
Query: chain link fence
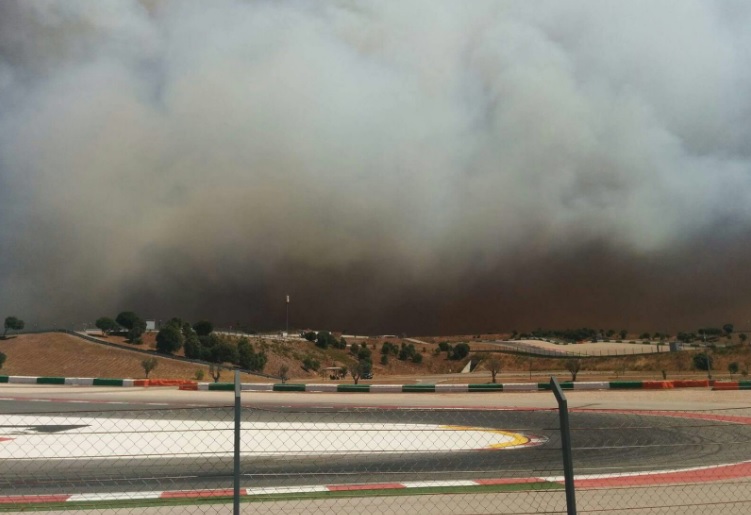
column 366, row 460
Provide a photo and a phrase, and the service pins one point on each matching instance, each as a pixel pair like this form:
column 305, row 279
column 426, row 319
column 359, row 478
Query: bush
column 325, row 339
column 702, row 361
column 192, row 347
column 203, row 328
column 407, row 351
column 224, row 352
column 169, row 339
column 460, row 351
column 248, row 358
column 417, row 358
column 310, row 364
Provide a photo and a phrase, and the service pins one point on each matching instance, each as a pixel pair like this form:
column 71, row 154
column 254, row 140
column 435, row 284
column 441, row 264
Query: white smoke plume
column 412, row 165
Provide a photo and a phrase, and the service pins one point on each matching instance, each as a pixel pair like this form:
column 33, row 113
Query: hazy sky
column 395, row 166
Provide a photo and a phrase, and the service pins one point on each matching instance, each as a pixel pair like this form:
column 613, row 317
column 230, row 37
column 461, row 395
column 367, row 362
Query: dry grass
column 62, row 355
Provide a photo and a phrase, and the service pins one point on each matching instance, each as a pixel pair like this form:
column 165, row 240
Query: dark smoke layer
column 416, row 167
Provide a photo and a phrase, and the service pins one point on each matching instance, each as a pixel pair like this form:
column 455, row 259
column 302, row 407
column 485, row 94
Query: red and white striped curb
column 650, row 478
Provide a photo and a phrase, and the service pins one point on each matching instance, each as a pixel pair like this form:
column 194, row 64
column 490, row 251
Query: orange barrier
column 691, row 383
column 192, row 386
column 726, row 385
column 140, row 382
column 656, row 385
column 169, row 382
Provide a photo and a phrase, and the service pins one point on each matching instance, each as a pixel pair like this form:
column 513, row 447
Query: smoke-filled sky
column 396, row 166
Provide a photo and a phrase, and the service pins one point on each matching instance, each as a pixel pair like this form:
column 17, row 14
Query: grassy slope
column 55, row 354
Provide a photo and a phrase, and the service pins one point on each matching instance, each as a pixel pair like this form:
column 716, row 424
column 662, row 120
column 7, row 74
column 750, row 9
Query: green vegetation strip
column 3, row 379
column 192, row 501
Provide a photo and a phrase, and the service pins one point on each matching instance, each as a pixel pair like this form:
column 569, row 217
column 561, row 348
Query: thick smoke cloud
column 394, row 166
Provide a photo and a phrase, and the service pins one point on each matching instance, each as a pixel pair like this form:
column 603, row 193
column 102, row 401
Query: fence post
column 568, row 464
column 236, row 475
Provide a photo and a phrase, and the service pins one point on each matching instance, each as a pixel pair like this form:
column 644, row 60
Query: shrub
column 460, row 351
column 310, row 364
column 702, row 361
column 169, row 339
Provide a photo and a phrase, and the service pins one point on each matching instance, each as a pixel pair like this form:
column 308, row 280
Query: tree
column 573, row 366
column 136, row 330
column 192, row 347
column 13, row 324
column 215, row 370
column 703, row 361
column 310, row 336
column 460, row 351
column 283, row 373
column 494, row 366
column 203, row 328
column 169, row 339
column 224, row 352
column 106, row 325
column 362, row 369
column 126, row 319
column 2, row 359
column 733, row 368
column 728, row 328
column 309, row 363
column 407, row 351
column 623, row 334
column 325, row 339
column 148, row 365
column 248, row 358
column 743, row 337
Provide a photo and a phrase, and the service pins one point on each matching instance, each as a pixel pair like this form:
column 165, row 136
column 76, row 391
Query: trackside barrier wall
column 447, row 388
column 378, row 388
column 349, row 459
column 93, row 381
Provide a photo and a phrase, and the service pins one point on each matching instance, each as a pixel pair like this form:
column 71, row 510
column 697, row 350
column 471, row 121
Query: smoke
column 417, row 166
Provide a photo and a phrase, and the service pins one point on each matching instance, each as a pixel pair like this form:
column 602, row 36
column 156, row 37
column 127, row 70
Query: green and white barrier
column 446, row 388
column 80, row 381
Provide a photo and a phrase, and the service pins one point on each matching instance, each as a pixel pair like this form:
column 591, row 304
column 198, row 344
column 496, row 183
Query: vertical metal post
column 568, row 463
column 236, row 475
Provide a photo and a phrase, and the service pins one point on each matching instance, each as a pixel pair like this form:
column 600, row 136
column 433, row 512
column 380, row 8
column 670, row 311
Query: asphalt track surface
column 603, row 441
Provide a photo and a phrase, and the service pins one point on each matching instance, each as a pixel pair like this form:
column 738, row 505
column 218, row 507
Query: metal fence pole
column 236, row 475
column 568, row 463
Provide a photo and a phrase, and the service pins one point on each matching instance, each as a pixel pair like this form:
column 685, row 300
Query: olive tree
column 106, row 325
column 148, row 365
column 12, row 324
column 494, row 366
column 169, row 339
column 573, row 366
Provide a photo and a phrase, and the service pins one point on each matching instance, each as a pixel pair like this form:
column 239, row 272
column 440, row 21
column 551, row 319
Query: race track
column 192, row 447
